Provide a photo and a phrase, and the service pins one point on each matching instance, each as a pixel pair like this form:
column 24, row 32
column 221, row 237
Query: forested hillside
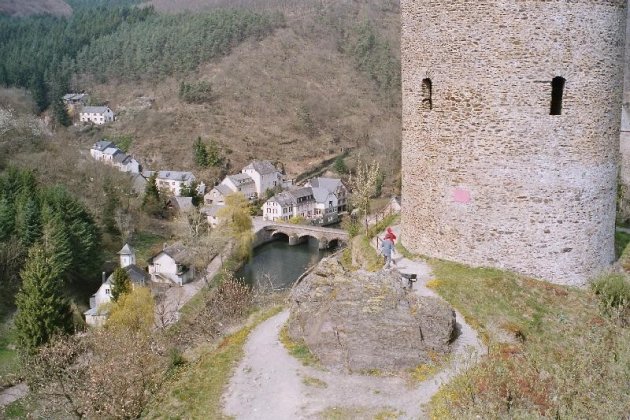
column 296, row 82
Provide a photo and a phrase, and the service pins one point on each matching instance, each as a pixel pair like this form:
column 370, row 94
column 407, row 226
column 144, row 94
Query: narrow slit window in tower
column 557, row 91
column 427, row 94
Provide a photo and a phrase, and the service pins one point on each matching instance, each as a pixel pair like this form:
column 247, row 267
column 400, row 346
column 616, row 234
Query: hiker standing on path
column 387, row 246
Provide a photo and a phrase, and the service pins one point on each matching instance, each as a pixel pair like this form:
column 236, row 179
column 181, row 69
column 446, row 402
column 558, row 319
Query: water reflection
column 279, row 265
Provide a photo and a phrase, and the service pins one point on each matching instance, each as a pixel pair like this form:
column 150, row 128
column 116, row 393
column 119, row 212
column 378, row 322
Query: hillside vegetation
column 34, row 7
column 294, row 82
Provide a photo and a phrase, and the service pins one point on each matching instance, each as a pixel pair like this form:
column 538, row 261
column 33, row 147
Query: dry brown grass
column 259, row 89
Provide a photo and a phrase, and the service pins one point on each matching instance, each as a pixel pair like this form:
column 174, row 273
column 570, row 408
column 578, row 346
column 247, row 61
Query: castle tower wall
column 490, row 178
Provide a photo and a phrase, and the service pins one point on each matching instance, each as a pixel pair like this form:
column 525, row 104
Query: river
column 280, row 265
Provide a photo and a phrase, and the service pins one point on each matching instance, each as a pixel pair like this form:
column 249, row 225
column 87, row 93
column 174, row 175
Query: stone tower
column 127, row 256
column 511, row 115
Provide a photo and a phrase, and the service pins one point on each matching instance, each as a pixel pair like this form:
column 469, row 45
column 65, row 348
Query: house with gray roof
column 216, row 196
column 107, row 152
column 265, row 175
column 335, row 187
column 99, row 301
column 173, row 181
column 96, row 114
column 172, row 265
column 242, row 183
column 212, row 213
column 74, row 99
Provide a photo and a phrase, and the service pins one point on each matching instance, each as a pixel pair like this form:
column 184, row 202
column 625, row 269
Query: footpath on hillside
column 270, row 384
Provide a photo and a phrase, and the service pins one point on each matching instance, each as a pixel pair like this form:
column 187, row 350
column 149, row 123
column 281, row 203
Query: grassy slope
column 195, row 390
column 259, row 89
column 552, row 353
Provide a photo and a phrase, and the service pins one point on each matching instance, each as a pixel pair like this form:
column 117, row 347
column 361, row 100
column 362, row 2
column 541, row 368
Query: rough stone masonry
column 511, row 133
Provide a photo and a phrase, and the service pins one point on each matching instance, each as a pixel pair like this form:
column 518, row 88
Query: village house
column 288, row 204
column 75, row 101
column 335, row 187
column 107, row 152
column 180, row 204
column 242, row 183
column 99, row 308
column 265, row 175
column 172, row 265
column 279, row 207
column 173, row 181
column 217, row 195
column 211, row 212
column 320, row 200
column 96, row 114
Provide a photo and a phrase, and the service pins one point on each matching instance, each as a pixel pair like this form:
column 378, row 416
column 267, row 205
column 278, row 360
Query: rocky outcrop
column 360, row 321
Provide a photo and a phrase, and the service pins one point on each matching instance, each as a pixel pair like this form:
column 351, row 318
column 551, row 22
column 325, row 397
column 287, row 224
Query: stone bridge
column 297, row 234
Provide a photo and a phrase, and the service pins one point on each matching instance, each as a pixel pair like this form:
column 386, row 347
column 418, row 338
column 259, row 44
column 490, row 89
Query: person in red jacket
column 390, row 235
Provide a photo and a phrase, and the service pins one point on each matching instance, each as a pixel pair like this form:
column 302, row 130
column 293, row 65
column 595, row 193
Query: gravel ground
column 270, row 384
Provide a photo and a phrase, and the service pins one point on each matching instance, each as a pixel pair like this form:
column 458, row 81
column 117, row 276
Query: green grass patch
column 380, row 226
column 9, row 360
column 314, row 382
column 622, row 239
column 365, row 255
column 195, row 391
column 123, row 142
column 359, row 413
column 297, row 349
column 146, row 244
column 562, row 358
column 15, row 410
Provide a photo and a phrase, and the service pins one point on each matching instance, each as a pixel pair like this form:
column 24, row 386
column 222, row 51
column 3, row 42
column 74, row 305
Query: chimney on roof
column 103, row 277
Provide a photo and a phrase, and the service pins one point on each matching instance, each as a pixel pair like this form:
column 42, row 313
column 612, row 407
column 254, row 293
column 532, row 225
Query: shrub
column 613, row 291
column 195, row 92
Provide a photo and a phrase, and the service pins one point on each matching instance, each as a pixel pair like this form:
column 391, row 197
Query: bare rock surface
column 360, row 321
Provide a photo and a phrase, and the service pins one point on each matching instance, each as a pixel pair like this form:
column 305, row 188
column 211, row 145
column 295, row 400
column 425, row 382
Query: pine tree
column 43, row 311
column 57, row 245
column 200, row 153
column 151, row 203
column 340, row 165
column 7, row 219
column 213, row 156
column 31, row 229
column 121, row 283
column 109, row 208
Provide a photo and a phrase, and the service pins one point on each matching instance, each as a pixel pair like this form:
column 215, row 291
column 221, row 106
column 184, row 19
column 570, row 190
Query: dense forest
column 49, row 217
column 43, row 53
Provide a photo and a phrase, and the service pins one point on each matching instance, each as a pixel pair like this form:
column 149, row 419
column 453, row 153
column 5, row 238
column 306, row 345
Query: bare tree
column 363, row 184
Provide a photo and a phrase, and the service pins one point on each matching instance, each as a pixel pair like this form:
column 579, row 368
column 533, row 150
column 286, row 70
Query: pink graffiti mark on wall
column 461, row 195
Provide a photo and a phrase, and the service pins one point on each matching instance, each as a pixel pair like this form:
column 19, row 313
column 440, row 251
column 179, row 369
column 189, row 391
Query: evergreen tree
column 7, row 219
column 121, row 283
column 200, row 153
column 152, row 202
column 31, row 229
column 213, row 155
column 43, row 311
column 340, row 165
column 109, row 208
column 57, row 246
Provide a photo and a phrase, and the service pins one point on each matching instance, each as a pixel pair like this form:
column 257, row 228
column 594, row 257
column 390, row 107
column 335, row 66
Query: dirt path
column 167, row 312
column 270, row 384
column 13, row 393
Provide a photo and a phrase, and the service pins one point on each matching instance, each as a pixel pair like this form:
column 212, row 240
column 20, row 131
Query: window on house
column 427, row 94
column 557, row 92
column 107, row 291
